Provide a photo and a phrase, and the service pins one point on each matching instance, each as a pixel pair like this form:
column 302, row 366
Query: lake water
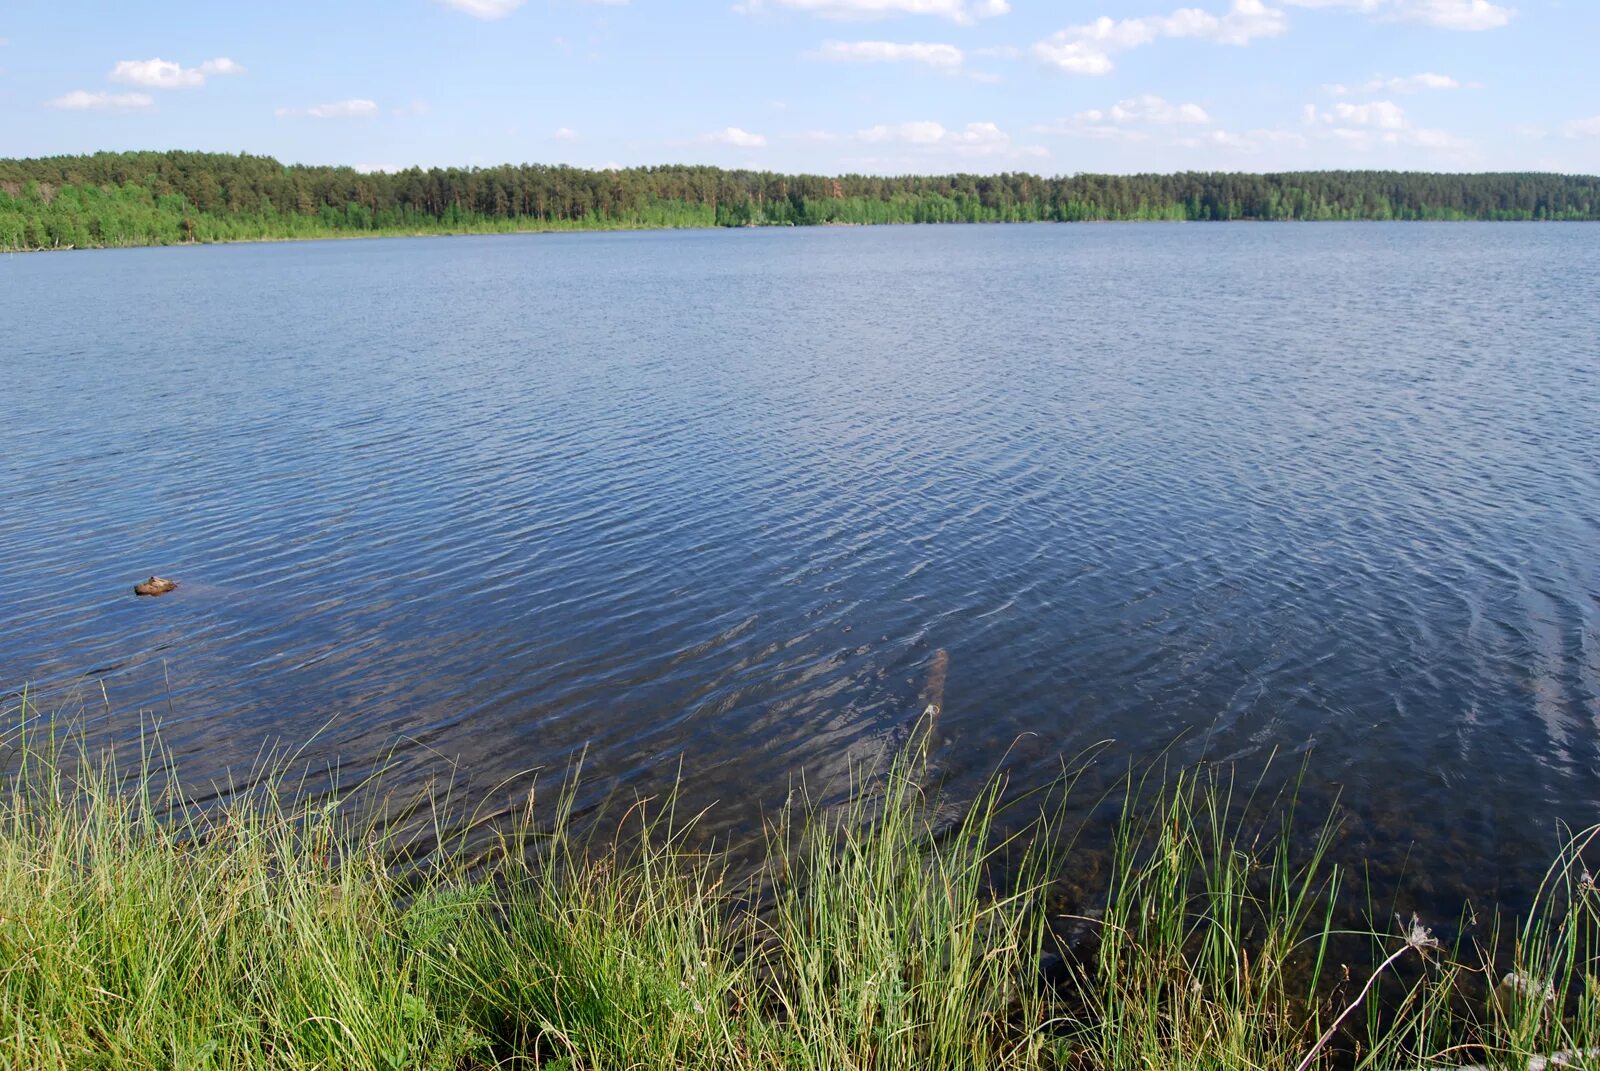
column 716, row 498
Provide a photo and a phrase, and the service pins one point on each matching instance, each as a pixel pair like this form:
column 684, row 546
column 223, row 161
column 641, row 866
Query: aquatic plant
column 272, row 927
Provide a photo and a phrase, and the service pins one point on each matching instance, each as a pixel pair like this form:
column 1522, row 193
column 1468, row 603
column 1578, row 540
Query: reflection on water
column 717, row 498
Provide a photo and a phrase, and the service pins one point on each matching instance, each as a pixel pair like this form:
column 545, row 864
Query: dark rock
column 156, row 585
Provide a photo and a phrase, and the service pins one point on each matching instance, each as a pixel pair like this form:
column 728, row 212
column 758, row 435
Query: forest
column 164, row 198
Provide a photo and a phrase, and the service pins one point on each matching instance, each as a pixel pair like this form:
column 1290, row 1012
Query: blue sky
column 816, row 85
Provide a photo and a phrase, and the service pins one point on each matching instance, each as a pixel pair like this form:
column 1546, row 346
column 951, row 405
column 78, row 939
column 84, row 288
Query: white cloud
column 1377, row 122
column 485, row 9
column 1120, row 121
column 565, row 133
column 1087, row 49
column 923, row 132
column 1434, row 139
column 339, row 109
column 81, row 100
column 1249, row 141
column 1454, row 14
column 963, row 11
column 732, row 135
column 158, row 73
column 1228, row 140
column 1411, row 83
column 165, row 74
column 974, row 139
column 1444, row 14
column 1148, row 108
column 945, row 57
column 1092, row 131
column 1383, row 114
column 1582, row 128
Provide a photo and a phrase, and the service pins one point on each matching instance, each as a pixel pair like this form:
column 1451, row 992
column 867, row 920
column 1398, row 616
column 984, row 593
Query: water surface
column 716, row 498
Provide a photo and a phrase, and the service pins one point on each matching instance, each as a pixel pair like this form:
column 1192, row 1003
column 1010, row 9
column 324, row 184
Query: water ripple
column 717, row 498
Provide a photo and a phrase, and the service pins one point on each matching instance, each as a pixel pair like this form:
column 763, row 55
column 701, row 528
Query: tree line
column 159, row 198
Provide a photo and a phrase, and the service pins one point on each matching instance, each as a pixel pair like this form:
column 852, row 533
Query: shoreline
column 645, row 228
column 135, row 199
column 365, row 930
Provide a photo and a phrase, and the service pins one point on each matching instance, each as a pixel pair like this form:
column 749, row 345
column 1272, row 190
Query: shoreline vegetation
column 167, row 198
column 268, row 929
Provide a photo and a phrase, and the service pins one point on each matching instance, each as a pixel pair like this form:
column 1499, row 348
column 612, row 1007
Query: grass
column 276, row 930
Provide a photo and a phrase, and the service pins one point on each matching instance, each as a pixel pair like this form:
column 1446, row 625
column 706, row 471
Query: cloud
column 1377, row 122
column 732, row 135
column 945, row 57
column 1146, row 109
column 1582, row 128
column 923, row 132
column 157, row 73
column 485, row 9
column 1411, row 83
column 81, row 100
column 1383, row 114
column 1092, row 131
column 974, row 139
column 1087, row 49
column 1121, row 121
column 1229, row 140
column 1443, row 14
column 565, row 133
column 339, row 109
column 962, row 11
column 165, row 74
column 1249, row 141
column 1455, row 14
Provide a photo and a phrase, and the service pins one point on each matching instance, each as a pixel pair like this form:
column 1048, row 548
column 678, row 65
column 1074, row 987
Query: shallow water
column 716, row 498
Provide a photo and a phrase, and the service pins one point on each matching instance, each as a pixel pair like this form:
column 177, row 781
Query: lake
column 712, row 501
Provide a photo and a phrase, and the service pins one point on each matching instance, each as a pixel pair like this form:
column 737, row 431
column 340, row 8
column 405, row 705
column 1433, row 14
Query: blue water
column 1329, row 492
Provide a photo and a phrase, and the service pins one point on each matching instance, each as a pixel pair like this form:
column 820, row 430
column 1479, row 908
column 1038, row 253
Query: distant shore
column 178, row 198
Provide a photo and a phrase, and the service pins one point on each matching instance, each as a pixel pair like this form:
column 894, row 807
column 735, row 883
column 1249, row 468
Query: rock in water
column 156, row 585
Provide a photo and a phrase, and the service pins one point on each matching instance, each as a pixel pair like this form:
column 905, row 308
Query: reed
column 276, row 929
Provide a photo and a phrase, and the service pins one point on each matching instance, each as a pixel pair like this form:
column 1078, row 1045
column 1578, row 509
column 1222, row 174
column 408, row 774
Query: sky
column 822, row 86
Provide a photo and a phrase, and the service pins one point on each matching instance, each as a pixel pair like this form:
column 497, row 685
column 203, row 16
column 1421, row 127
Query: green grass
column 275, row 930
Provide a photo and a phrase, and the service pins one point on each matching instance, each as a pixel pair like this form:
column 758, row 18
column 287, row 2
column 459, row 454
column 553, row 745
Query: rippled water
column 717, row 497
